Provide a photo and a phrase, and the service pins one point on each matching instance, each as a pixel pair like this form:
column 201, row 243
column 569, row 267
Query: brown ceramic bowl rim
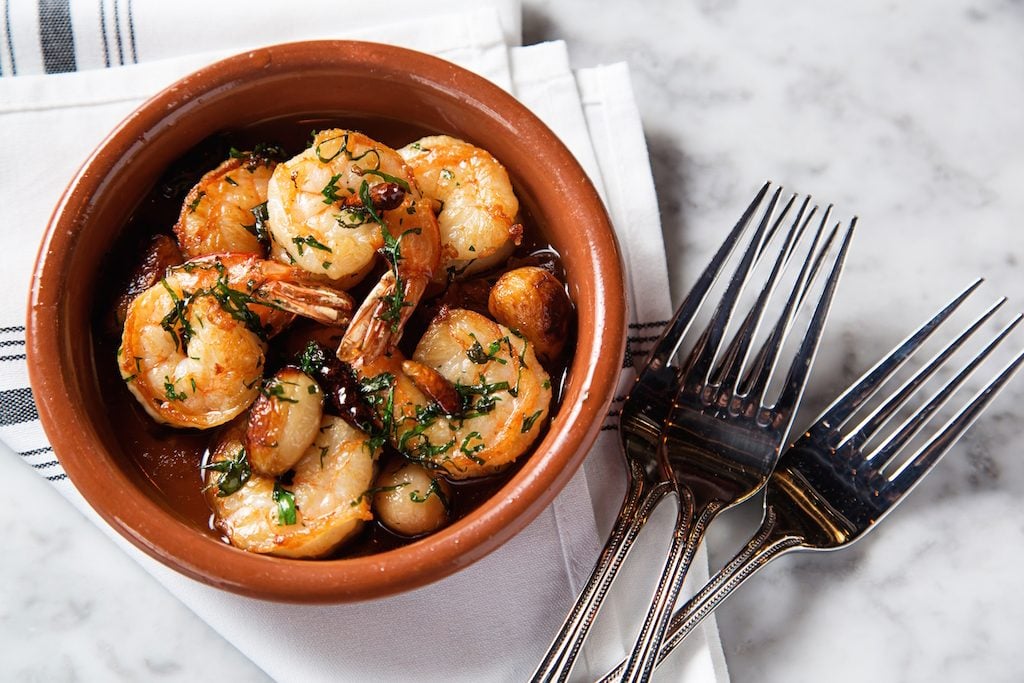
column 594, row 371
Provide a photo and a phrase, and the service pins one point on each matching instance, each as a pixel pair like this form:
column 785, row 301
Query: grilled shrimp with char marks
column 478, row 207
column 192, row 349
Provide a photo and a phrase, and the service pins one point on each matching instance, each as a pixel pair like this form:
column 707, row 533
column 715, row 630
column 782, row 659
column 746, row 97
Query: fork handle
column 636, row 508
column 689, row 532
column 767, row 543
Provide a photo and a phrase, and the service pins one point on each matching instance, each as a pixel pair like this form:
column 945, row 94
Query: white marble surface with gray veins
column 905, row 114
column 909, row 116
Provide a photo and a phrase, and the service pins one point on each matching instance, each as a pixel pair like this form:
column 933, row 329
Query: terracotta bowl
column 370, row 84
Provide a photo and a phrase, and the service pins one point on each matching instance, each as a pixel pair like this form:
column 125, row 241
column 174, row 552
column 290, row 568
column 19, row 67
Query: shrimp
column 325, row 504
column 283, row 421
column 225, row 211
column 472, row 399
column 333, row 207
column 478, row 206
column 193, row 345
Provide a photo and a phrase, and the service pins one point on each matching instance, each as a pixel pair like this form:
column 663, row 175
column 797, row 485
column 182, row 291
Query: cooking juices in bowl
column 192, row 468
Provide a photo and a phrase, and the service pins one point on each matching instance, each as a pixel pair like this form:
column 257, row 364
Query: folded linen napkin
column 56, row 36
column 530, row 581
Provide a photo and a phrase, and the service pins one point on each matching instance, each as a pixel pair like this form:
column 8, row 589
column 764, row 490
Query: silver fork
column 724, row 435
column 828, row 491
column 664, row 392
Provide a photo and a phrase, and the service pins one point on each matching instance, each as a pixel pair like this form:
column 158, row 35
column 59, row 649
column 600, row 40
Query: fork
column 723, row 435
column 663, row 393
column 828, row 490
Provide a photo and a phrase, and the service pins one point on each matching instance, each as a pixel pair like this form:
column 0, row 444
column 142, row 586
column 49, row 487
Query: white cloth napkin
column 500, row 613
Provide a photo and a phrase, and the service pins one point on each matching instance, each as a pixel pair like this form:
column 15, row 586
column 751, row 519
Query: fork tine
column 903, row 480
column 796, row 378
column 779, row 221
column 668, row 342
column 889, row 448
column 844, row 406
column 736, row 354
column 883, row 413
column 698, row 363
column 788, row 254
column 761, row 369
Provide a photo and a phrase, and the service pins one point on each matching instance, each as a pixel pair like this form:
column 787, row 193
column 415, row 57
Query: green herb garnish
column 478, row 355
column 274, row 388
column 194, row 204
column 259, row 227
column 234, row 473
column 285, row 500
column 433, row 490
column 330, row 191
column 313, row 359
column 529, row 421
column 309, row 241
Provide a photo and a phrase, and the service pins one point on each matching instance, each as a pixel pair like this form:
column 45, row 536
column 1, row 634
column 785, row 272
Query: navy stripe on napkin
column 117, row 33
column 56, row 37
column 10, row 40
column 17, row 406
column 103, row 32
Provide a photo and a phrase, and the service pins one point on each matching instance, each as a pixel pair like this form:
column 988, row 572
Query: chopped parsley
column 388, row 178
column 236, row 304
column 479, row 399
column 309, row 241
column 285, row 500
column 274, row 388
column 352, row 217
column 262, row 154
column 330, row 191
column 259, row 227
column 471, row 451
column 171, row 393
column 433, row 490
column 313, row 359
column 194, row 204
column 176, row 322
column 529, row 421
column 234, row 473
column 343, row 149
column 478, row 355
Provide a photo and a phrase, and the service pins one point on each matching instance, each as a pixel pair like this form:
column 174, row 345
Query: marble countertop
column 907, row 115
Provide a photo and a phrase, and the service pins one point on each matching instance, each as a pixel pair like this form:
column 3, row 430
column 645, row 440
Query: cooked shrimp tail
column 193, row 346
column 377, row 325
column 322, row 304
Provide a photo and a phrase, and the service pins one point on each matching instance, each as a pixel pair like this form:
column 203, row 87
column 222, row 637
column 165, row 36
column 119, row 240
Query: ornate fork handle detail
column 640, row 501
column 690, row 529
column 768, row 543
